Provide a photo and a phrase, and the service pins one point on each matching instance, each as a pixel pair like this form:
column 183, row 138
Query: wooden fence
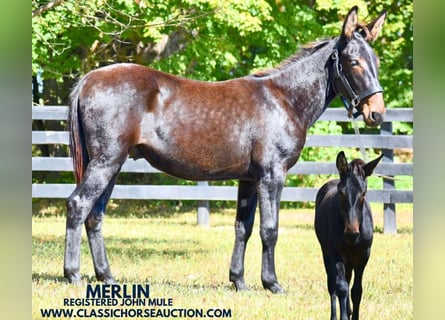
column 204, row 193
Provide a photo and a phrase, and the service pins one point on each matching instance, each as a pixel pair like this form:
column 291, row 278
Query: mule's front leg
column 269, row 192
column 245, row 216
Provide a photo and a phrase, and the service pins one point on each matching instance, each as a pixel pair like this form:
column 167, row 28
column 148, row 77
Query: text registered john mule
column 251, row 128
column 344, row 228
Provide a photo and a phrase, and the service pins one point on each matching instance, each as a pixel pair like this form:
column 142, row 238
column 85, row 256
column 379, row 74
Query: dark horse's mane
column 356, row 167
column 305, row 51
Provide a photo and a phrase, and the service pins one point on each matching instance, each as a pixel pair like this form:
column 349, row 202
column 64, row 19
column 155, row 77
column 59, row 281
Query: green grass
column 190, row 265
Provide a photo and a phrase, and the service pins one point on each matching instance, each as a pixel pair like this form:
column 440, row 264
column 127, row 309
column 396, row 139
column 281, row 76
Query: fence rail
column 203, row 192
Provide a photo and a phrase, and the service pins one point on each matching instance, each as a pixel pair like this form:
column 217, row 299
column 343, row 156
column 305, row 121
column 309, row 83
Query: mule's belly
column 199, row 167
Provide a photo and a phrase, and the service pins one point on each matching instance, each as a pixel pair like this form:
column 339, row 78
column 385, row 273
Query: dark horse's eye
column 355, row 63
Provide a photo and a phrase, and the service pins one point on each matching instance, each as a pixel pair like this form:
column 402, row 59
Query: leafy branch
column 46, row 7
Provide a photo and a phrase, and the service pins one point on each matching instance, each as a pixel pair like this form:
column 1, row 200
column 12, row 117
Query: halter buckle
column 355, row 101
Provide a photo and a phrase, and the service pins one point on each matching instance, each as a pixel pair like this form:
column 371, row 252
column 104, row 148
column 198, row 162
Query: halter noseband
column 353, row 99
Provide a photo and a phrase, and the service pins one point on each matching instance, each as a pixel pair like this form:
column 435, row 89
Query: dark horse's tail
column 78, row 149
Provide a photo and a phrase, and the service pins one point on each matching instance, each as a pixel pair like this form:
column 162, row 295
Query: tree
column 208, row 39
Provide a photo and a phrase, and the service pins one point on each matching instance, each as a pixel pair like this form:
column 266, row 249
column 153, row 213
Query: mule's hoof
column 109, row 280
column 240, row 286
column 275, row 288
column 106, row 278
column 73, row 277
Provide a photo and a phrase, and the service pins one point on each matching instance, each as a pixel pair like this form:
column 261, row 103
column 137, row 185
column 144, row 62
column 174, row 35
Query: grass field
column 190, row 264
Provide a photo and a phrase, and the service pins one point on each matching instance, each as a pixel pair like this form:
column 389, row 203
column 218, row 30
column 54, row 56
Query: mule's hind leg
column 245, row 216
column 93, row 226
column 79, row 205
column 269, row 195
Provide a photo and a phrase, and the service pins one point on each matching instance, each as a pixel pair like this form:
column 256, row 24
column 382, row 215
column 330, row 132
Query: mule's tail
column 78, row 148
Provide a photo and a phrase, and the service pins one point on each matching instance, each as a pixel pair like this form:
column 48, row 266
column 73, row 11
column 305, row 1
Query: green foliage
column 210, row 39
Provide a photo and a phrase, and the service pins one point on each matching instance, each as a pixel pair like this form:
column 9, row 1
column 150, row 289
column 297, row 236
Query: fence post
column 389, row 209
column 203, row 209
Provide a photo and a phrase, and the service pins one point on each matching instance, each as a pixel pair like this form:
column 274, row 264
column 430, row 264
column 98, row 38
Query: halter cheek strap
column 353, row 99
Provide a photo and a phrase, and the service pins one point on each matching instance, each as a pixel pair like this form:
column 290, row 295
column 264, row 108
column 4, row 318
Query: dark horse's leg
column 356, row 292
column 331, row 277
column 245, row 216
column 348, row 274
column 342, row 289
column 96, row 180
column 269, row 193
column 93, row 226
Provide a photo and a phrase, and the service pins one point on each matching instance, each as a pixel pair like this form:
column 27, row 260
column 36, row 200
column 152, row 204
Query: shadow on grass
column 40, row 277
column 125, row 248
column 120, row 208
column 185, row 286
column 197, row 287
column 145, row 248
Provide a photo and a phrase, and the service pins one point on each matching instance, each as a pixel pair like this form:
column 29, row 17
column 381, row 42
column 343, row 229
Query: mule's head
column 356, row 68
column 352, row 191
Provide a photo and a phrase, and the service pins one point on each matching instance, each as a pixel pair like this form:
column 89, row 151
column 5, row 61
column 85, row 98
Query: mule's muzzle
column 376, row 117
column 372, row 109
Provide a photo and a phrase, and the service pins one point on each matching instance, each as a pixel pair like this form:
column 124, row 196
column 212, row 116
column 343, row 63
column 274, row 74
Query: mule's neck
column 307, row 84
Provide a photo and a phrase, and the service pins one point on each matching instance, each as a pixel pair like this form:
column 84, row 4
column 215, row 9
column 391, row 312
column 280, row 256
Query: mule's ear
column 376, row 26
column 370, row 166
column 342, row 163
column 350, row 23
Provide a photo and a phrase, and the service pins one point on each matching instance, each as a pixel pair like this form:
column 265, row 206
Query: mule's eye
column 355, row 63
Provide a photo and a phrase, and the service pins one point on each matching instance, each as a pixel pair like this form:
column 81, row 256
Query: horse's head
column 352, row 191
column 355, row 68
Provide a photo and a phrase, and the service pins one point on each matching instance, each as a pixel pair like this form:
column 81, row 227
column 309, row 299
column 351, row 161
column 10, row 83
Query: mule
column 344, row 228
column 251, row 128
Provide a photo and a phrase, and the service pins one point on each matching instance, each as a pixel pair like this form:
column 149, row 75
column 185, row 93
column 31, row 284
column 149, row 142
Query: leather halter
column 353, row 99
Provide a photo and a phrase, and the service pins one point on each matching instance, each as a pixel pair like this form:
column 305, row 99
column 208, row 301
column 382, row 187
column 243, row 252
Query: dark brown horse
column 252, row 129
column 344, row 228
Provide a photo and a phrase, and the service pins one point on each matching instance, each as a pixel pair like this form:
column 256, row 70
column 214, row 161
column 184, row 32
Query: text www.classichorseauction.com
column 127, row 301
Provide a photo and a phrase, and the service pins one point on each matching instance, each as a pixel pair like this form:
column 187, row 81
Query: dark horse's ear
column 370, row 166
column 350, row 24
column 342, row 163
column 376, row 26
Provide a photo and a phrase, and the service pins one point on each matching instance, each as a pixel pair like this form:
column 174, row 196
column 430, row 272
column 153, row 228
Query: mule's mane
column 362, row 28
column 309, row 49
column 305, row 51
